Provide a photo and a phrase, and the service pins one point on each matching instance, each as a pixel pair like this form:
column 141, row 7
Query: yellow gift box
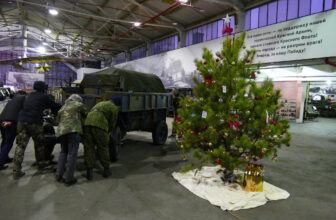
column 253, row 178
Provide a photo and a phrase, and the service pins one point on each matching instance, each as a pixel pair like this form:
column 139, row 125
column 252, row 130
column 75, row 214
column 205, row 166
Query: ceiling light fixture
column 41, row 50
column 45, row 43
column 47, row 31
column 136, row 24
column 183, row 1
column 53, row 11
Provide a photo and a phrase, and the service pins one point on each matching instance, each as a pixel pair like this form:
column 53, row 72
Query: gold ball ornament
column 210, row 144
column 184, row 158
column 240, row 150
column 275, row 159
column 233, row 63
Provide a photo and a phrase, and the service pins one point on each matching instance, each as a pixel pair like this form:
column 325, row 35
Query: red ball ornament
column 255, row 159
column 274, row 123
column 205, row 127
column 288, row 144
column 205, row 62
column 253, row 76
column 236, row 116
column 217, row 60
column 218, row 161
column 260, row 155
column 181, row 133
column 257, row 98
column 247, row 60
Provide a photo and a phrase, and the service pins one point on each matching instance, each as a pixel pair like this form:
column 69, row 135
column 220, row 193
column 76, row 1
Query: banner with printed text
column 305, row 38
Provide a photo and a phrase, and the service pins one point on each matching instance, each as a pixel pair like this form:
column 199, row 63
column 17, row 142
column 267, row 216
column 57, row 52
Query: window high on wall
column 138, row 53
column 284, row 10
column 208, row 32
column 170, row 43
column 120, row 58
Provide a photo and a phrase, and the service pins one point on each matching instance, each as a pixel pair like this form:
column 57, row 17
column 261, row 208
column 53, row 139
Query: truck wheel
column 115, row 144
column 160, row 133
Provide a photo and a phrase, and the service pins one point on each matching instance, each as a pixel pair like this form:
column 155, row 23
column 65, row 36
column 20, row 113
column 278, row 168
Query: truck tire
column 115, row 144
column 160, row 133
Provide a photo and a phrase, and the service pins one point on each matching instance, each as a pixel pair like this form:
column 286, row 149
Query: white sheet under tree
column 208, row 185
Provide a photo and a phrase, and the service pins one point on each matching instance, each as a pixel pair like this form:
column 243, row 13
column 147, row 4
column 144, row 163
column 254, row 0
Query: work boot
column 2, row 167
column 106, row 172
column 18, row 174
column 59, row 178
column 9, row 160
column 41, row 165
column 89, row 174
column 71, row 182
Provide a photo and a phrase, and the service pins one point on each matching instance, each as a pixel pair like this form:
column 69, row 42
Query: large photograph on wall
column 304, row 38
column 22, row 80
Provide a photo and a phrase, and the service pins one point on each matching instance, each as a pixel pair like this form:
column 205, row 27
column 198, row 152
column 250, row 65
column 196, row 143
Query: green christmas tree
column 232, row 120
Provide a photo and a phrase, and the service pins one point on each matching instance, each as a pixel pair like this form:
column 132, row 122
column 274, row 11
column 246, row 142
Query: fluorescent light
column 328, row 82
column 53, row 11
column 41, row 50
column 137, row 24
column 45, row 43
column 47, row 31
column 183, row 1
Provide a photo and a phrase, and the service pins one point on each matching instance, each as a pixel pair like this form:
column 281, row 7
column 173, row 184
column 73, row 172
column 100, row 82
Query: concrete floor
column 141, row 186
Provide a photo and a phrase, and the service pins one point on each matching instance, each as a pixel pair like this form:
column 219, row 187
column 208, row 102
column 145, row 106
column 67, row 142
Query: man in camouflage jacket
column 69, row 131
column 100, row 121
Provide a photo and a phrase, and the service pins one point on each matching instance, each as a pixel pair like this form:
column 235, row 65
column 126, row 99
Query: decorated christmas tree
column 231, row 120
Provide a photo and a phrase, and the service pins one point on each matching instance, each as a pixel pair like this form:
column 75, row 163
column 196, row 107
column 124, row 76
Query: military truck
column 144, row 102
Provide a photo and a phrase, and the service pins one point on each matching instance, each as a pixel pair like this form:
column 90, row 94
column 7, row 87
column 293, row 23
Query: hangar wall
column 305, row 38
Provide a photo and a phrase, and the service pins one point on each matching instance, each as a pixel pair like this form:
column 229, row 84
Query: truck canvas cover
column 123, row 80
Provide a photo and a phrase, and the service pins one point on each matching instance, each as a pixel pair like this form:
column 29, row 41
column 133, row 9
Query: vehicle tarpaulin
column 123, row 80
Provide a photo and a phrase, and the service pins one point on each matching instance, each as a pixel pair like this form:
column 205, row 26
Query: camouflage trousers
column 25, row 131
column 96, row 142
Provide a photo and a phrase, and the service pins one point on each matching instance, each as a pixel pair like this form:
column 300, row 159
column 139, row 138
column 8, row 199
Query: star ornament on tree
column 227, row 29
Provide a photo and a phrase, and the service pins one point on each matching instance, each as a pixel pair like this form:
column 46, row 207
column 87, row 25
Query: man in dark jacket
column 177, row 97
column 30, row 125
column 8, row 119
